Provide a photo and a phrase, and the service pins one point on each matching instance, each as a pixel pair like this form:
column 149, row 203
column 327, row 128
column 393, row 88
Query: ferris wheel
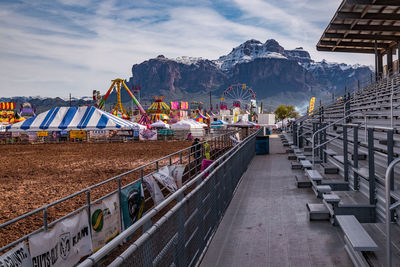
column 239, row 95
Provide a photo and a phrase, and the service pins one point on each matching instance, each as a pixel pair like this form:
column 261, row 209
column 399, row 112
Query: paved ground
column 266, row 223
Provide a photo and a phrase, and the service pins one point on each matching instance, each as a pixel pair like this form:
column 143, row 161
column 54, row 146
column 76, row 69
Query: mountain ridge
column 276, row 74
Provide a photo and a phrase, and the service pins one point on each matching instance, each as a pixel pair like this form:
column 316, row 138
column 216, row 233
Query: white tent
column 73, row 118
column 188, row 124
column 160, row 124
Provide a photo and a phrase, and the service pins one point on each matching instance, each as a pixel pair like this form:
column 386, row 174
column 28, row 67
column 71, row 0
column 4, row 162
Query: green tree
column 285, row 111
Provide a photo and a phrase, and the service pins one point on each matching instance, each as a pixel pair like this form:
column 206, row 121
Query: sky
column 52, row 48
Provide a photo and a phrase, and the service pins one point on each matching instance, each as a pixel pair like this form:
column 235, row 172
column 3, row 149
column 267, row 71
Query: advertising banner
column 5, row 135
column 42, row 133
column 153, row 188
column 312, row 102
column 98, row 133
column 132, row 203
column 176, row 171
column 184, row 105
column 146, row 134
column 164, row 177
column 18, row 256
column 54, row 135
column 64, row 245
column 175, row 105
column 105, row 219
column 77, row 134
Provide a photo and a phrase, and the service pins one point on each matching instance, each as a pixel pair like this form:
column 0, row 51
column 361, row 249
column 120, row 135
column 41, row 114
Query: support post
column 345, row 155
column 376, row 61
column 325, row 140
column 398, row 56
column 390, row 61
column 371, row 166
column 355, row 161
column 321, row 141
column 380, row 65
column 300, row 133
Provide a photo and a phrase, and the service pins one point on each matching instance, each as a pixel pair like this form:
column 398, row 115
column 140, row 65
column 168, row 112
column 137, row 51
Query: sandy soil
column 34, row 175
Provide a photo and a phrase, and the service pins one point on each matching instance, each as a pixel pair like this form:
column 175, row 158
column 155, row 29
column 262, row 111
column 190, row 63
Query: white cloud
column 83, row 51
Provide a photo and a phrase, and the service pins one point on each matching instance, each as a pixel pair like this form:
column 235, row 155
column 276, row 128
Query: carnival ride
column 159, row 110
column 27, row 110
column 119, row 109
column 239, row 95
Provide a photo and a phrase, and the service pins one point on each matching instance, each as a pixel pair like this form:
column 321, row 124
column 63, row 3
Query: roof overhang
column 360, row 26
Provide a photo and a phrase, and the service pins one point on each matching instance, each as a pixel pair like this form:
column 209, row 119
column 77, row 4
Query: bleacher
column 355, row 139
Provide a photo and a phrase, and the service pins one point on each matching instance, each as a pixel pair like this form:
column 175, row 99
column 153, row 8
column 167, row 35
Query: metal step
column 317, row 212
column 296, row 165
column 330, row 168
column 361, row 156
column 302, row 182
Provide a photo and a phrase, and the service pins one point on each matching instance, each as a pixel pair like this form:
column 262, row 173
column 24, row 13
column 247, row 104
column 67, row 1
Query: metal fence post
column 89, row 209
column 371, row 166
column 345, row 154
column 45, row 224
column 355, row 160
column 120, row 207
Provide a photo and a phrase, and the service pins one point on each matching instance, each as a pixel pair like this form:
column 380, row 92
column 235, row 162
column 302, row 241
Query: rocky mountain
column 274, row 73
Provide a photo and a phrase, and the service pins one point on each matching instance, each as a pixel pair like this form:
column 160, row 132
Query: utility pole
column 210, row 102
column 70, row 100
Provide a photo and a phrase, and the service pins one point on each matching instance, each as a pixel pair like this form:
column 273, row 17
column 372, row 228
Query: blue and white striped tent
column 72, row 118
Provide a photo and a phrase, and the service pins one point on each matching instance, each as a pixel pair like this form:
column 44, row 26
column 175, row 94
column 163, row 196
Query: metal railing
column 323, row 128
column 389, row 208
column 218, row 145
column 180, row 236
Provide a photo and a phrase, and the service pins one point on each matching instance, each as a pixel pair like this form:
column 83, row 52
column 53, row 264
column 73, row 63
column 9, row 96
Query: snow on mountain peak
column 188, row 60
column 250, row 50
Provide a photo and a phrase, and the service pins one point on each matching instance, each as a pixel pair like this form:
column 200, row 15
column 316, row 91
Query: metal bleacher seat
column 356, row 238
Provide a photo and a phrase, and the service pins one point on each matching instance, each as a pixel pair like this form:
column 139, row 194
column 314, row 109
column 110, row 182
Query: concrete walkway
column 266, row 223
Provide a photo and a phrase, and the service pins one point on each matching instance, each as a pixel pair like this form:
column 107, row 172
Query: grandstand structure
column 328, row 192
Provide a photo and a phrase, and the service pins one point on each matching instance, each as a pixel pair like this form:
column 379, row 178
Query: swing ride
column 119, row 108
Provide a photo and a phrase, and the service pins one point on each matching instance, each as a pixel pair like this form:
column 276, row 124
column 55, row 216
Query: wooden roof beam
column 363, row 36
column 372, row 2
column 374, row 28
column 340, row 49
column 368, row 16
column 355, row 44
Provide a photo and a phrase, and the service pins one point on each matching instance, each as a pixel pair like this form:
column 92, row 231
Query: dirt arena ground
column 34, row 175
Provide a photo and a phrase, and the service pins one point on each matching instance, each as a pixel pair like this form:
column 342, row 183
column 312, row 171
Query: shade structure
column 160, row 124
column 73, row 118
column 241, row 124
column 363, row 26
column 188, row 124
column 219, row 122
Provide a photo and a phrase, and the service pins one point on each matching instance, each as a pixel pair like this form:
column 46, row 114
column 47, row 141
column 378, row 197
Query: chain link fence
column 180, row 236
